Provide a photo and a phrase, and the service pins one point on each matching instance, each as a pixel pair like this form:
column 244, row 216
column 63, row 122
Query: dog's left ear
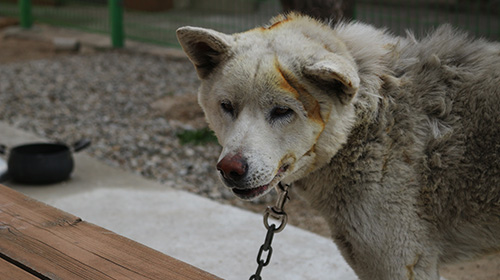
column 205, row 48
column 335, row 73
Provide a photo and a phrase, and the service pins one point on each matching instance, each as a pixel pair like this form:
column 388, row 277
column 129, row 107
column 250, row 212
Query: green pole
column 116, row 21
column 25, row 13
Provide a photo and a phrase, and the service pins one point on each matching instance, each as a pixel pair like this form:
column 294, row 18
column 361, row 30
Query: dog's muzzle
column 233, row 169
column 234, row 172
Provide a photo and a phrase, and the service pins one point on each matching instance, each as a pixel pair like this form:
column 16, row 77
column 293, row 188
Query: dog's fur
column 394, row 140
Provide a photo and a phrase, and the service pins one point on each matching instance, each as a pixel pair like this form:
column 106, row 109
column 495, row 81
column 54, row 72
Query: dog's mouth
column 251, row 193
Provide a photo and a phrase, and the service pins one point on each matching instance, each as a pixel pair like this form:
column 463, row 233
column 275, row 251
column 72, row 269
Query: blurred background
column 154, row 21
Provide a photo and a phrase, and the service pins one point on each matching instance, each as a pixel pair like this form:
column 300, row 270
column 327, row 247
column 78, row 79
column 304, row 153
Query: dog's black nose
column 233, row 168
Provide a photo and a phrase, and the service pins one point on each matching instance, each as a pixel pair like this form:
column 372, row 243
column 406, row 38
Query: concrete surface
column 220, row 239
column 87, row 41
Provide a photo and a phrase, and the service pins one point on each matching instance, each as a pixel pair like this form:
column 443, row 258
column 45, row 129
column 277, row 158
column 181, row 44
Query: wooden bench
column 38, row 241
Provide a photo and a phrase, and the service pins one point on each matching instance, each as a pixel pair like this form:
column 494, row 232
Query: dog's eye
column 227, row 107
column 280, row 112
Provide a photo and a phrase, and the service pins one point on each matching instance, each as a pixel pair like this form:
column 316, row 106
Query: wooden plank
column 10, row 271
column 59, row 245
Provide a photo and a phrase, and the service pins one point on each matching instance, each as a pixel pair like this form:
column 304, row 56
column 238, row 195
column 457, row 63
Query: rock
column 66, row 44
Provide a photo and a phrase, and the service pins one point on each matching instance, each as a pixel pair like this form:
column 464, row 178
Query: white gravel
column 107, row 97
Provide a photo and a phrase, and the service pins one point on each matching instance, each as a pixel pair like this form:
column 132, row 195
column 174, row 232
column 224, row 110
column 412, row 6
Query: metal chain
column 277, row 212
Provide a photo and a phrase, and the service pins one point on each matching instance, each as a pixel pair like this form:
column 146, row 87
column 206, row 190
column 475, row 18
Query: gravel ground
column 110, row 98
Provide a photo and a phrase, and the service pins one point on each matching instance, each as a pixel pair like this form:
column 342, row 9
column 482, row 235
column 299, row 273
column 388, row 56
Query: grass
column 197, row 137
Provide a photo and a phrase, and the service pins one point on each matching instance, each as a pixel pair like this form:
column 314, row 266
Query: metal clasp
column 277, row 211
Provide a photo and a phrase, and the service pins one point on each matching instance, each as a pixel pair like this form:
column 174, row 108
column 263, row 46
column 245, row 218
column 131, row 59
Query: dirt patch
column 17, row 50
column 185, row 111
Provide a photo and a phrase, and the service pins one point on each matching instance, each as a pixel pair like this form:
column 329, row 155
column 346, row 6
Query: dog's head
column 278, row 99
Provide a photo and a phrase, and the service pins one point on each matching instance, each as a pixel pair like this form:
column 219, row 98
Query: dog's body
column 395, row 141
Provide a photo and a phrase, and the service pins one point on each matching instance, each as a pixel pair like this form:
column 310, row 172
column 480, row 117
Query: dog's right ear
column 205, row 48
column 332, row 70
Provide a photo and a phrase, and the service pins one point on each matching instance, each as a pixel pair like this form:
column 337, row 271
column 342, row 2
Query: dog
column 394, row 140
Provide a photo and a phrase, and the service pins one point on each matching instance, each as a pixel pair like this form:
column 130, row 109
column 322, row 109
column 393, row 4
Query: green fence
column 155, row 21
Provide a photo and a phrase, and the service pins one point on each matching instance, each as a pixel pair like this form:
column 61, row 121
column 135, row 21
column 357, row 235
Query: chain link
column 277, row 212
column 266, row 247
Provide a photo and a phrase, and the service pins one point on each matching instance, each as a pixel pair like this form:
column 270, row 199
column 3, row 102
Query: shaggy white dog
column 394, row 140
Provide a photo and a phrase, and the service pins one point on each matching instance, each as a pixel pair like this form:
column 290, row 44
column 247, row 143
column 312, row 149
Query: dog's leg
column 405, row 260
column 382, row 237
column 424, row 267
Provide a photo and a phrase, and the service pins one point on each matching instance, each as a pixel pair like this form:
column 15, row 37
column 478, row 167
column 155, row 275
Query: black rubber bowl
column 40, row 163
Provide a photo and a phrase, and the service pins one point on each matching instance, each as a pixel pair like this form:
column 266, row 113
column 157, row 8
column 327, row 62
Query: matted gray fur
column 394, row 140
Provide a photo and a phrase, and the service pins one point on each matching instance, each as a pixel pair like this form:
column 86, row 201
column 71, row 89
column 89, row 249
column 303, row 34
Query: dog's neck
column 374, row 63
column 342, row 169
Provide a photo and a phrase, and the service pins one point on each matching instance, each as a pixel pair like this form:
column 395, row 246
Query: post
column 116, row 22
column 26, row 17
